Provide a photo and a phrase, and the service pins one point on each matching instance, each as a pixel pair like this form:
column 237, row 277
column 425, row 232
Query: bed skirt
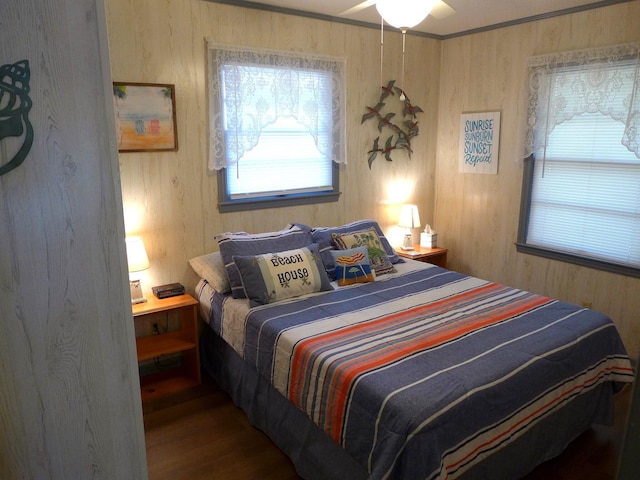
column 317, row 457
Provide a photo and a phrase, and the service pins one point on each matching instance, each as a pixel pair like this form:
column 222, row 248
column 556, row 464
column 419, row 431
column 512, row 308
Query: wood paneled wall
column 69, row 390
column 477, row 215
column 171, row 200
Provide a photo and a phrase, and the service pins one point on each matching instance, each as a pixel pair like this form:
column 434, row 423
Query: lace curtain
column 602, row 80
column 259, row 86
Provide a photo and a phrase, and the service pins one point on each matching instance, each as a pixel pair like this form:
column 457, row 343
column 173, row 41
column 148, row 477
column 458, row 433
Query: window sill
column 578, row 260
column 276, row 202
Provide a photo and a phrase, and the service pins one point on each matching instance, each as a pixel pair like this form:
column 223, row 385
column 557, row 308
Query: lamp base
column 407, row 243
column 136, row 292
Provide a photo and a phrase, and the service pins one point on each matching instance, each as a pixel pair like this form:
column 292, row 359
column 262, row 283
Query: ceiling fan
column 440, row 10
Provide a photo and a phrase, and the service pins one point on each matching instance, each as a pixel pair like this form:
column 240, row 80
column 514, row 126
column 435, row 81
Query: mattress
column 429, row 373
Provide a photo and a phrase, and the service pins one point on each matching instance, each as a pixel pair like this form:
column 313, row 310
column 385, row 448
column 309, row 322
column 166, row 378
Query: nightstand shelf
column 165, row 344
column 183, row 340
column 436, row 255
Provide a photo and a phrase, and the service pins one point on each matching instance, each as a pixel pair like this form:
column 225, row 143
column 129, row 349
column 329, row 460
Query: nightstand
column 437, row 255
column 181, row 310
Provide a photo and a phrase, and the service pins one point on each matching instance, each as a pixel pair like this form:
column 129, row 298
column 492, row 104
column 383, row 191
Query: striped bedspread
column 424, row 373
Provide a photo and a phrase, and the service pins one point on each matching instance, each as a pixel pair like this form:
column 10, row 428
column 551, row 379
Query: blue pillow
column 323, row 236
column 241, row 243
column 353, row 266
column 276, row 276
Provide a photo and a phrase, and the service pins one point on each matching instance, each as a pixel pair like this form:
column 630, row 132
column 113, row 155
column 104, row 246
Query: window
column 581, row 186
column 277, row 127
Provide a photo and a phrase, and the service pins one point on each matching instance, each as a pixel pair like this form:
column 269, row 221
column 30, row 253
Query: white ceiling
column 469, row 15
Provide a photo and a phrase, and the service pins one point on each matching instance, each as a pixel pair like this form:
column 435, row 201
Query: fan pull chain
column 404, row 36
column 381, row 48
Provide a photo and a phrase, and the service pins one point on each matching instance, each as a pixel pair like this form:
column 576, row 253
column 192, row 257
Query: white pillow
column 211, row 267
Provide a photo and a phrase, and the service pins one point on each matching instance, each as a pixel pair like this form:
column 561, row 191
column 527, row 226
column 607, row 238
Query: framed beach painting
column 145, row 117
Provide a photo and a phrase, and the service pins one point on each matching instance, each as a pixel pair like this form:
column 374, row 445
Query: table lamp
column 138, row 261
column 409, row 218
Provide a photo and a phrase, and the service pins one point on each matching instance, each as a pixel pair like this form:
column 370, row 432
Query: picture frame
column 479, row 142
column 145, row 117
column 136, row 292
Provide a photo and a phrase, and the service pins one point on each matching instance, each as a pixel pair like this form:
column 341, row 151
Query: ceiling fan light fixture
column 404, row 14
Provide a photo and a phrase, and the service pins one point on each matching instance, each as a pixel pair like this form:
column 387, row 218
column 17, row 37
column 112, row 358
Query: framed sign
column 479, row 142
column 145, row 117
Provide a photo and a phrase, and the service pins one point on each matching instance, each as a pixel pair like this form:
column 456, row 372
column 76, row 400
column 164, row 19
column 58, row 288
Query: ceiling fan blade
column 357, row 8
column 442, row 10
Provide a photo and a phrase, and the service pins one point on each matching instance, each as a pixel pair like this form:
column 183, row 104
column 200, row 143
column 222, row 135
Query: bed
column 422, row 373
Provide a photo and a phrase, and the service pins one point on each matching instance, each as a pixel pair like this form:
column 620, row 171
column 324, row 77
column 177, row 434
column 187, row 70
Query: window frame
column 219, row 162
column 548, row 108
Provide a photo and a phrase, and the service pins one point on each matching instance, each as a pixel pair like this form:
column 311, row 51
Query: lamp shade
column 409, row 217
column 404, row 14
column 136, row 254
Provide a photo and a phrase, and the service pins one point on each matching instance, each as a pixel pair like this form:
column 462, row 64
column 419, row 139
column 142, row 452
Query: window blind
column 585, row 198
column 285, row 161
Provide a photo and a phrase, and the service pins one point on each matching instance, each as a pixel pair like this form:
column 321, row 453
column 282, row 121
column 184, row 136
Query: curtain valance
column 601, row 80
column 250, row 89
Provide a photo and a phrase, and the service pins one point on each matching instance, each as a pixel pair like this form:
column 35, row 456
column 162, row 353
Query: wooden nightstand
column 437, row 255
column 158, row 313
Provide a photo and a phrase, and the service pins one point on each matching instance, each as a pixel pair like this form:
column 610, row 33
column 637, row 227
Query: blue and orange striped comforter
column 425, row 373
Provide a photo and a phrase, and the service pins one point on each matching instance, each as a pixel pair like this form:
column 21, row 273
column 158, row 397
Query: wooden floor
column 200, row 434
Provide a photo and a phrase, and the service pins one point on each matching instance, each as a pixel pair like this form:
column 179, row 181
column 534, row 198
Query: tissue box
column 428, row 240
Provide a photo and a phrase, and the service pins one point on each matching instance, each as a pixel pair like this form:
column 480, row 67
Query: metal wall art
column 401, row 132
column 15, row 105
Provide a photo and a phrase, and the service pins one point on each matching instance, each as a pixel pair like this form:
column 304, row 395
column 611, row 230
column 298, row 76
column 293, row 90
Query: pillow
column 257, row 244
column 323, row 237
column 275, row 276
column 370, row 239
column 352, row 266
column 211, row 268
